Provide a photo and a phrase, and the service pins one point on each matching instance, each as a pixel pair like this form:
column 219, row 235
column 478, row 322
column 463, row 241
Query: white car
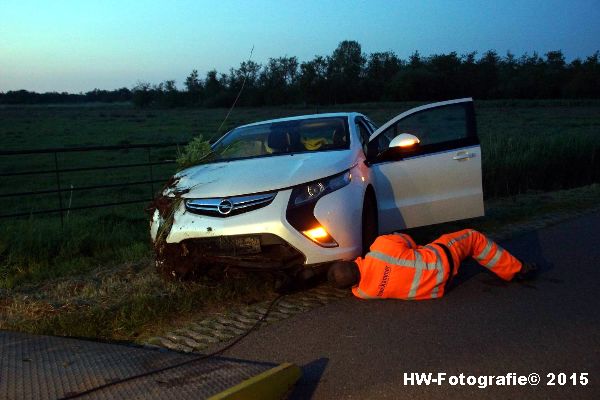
column 308, row 190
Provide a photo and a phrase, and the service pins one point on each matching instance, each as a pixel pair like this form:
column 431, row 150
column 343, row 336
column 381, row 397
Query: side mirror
column 405, row 141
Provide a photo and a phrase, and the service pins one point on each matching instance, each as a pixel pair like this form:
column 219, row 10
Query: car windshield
column 283, row 137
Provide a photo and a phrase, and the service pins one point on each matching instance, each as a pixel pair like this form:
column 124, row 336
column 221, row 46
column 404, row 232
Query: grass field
column 93, row 277
column 527, row 145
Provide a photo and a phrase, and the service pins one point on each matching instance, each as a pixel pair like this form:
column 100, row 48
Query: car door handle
column 463, row 156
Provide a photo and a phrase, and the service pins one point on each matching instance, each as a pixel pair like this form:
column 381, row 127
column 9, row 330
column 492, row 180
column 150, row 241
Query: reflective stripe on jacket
column 397, row 268
column 470, row 243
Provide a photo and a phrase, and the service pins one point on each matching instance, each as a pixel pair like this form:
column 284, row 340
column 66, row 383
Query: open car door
column 426, row 165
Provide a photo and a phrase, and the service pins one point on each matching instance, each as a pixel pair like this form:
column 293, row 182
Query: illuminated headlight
column 301, row 207
column 313, row 191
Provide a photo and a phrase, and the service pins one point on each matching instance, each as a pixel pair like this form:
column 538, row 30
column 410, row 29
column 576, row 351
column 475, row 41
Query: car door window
column 433, row 127
column 364, row 133
column 371, row 124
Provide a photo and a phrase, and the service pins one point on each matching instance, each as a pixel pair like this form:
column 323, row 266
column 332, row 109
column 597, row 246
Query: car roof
column 301, row 117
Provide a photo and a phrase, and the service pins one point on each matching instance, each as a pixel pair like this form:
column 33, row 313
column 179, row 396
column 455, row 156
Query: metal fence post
column 62, row 222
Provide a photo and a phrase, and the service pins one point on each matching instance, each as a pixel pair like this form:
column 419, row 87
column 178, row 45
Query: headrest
column 278, row 140
column 339, row 137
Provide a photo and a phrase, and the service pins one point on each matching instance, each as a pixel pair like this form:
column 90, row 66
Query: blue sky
column 79, row 45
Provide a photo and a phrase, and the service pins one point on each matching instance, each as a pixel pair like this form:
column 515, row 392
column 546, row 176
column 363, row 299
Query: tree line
column 93, row 96
column 348, row 75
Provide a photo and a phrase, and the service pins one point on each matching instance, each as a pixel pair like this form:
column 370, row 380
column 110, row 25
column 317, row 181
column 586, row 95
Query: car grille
column 228, row 206
column 261, row 251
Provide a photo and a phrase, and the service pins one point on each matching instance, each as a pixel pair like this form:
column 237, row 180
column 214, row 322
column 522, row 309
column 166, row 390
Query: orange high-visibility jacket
column 396, row 268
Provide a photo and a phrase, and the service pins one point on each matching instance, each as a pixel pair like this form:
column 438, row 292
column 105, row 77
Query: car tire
column 370, row 227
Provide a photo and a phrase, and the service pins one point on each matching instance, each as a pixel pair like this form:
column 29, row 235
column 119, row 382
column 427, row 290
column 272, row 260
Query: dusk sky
column 80, row 45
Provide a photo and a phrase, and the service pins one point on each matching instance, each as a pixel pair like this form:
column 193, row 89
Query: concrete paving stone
column 200, row 347
column 231, row 322
column 227, row 328
column 208, row 323
column 201, row 329
column 310, row 306
column 198, row 337
column 198, row 329
column 333, row 294
column 289, row 311
column 309, row 302
column 245, row 320
column 313, row 303
column 174, row 346
column 323, row 298
column 274, row 314
column 206, row 338
column 252, row 314
column 287, row 304
column 217, row 326
column 224, row 335
column 189, row 342
column 261, row 309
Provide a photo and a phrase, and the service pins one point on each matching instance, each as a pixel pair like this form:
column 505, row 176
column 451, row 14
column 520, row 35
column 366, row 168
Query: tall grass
column 525, row 149
column 517, row 164
column 38, row 249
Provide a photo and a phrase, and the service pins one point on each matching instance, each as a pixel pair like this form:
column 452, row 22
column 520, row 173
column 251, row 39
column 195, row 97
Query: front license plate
column 247, row 245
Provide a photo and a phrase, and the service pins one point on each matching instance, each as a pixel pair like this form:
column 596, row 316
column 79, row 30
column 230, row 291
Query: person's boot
column 529, row 271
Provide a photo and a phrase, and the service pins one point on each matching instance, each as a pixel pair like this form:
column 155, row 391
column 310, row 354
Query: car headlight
column 301, row 207
column 312, row 191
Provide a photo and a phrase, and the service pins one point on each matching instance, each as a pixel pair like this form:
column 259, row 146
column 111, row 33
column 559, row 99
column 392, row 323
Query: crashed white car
column 307, row 190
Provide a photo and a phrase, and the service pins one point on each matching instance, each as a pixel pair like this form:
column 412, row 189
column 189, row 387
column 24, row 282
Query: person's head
column 343, row 274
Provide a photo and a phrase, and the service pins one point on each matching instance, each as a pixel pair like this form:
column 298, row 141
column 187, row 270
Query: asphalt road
column 361, row 350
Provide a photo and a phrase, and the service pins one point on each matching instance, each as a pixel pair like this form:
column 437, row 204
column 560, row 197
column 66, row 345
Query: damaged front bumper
column 253, row 252
column 261, row 239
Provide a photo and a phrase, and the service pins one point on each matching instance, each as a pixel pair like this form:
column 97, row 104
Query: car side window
column 431, row 126
column 363, row 133
column 371, row 124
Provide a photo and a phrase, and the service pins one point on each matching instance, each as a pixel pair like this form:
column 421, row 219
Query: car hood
column 257, row 175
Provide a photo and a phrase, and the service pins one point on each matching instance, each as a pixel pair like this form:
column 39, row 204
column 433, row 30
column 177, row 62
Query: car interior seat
column 339, row 137
column 279, row 141
column 295, row 141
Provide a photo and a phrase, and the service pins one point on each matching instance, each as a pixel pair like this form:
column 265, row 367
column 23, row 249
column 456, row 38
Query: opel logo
column 225, row 207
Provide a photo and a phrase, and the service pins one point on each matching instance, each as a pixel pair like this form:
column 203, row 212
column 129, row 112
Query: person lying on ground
column 396, row 268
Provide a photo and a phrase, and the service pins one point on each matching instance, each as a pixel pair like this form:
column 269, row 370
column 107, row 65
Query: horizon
column 78, row 47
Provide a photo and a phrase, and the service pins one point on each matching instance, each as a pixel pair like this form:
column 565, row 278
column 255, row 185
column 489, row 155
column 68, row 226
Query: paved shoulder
column 360, row 349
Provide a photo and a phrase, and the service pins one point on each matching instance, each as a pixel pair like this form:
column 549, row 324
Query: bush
column 196, row 152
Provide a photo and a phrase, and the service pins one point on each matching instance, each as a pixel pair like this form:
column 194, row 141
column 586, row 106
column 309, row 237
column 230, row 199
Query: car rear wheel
column 370, row 227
